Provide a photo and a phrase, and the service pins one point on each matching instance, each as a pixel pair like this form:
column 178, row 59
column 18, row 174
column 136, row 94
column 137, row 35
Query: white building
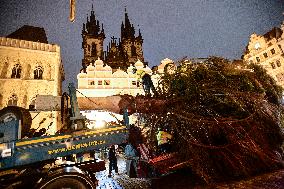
column 100, row 81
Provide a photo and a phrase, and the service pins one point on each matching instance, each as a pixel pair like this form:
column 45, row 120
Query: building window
column 100, row 82
column 265, row 55
column 94, row 50
column 13, row 100
column 134, row 83
column 257, row 59
column 91, row 82
column 280, row 77
column 16, row 71
column 273, row 65
column 106, row 82
column 272, row 51
column 278, row 63
column 38, row 72
column 133, row 51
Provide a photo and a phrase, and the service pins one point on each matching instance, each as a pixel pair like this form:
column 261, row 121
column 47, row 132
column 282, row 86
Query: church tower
column 93, row 39
column 131, row 45
column 127, row 50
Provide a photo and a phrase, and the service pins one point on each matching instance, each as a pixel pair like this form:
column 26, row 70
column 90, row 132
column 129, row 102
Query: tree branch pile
column 225, row 117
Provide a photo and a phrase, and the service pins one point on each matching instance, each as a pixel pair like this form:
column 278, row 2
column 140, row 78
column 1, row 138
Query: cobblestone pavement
column 120, row 180
column 184, row 180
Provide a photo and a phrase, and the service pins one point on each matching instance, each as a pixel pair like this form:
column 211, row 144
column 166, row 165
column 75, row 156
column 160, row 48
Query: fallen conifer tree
column 225, row 117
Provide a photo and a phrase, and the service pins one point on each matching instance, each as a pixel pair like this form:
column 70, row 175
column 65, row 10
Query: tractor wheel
column 11, row 113
column 66, row 182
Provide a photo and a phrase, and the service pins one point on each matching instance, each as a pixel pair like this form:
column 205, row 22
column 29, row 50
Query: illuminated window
column 16, row 71
column 278, row 63
column 13, row 100
column 265, row 55
column 272, row 51
column 106, row 82
column 257, row 59
column 100, row 82
column 273, row 65
column 38, row 72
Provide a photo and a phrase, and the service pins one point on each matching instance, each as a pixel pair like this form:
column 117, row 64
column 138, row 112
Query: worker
column 163, row 139
column 146, row 81
column 112, row 160
column 132, row 158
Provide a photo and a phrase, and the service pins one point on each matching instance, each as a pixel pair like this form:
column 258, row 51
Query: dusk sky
column 170, row 28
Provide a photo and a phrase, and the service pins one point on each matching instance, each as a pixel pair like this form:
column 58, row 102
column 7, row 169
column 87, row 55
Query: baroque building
column 120, row 53
column 268, row 51
column 29, row 66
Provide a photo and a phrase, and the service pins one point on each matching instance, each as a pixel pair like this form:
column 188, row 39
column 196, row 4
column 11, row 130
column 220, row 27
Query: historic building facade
column 268, row 51
column 28, row 69
column 120, row 53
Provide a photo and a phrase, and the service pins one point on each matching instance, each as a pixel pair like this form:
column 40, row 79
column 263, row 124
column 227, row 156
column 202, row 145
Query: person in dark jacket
column 112, row 160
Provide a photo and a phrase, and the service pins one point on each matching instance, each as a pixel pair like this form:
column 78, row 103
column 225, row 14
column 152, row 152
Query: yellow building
column 268, row 51
column 29, row 66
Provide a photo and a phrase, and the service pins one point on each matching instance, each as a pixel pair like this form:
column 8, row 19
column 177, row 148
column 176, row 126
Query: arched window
column 278, row 63
column 94, row 50
column 13, row 100
column 38, row 72
column 16, row 71
column 133, row 51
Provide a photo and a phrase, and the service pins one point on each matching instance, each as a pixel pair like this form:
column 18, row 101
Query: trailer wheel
column 17, row 113
column 63, row 183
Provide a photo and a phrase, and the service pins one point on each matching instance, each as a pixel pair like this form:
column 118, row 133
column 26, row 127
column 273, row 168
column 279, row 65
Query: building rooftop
column 30, row 33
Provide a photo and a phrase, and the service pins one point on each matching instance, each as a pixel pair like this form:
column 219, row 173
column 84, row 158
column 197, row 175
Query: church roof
column 274, row 33
column 30, row 33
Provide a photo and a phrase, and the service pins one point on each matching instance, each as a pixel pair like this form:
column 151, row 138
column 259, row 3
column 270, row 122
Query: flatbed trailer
column 29, row 163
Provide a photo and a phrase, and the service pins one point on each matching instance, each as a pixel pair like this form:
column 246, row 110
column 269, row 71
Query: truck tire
column 17, row 113
column 66, row 182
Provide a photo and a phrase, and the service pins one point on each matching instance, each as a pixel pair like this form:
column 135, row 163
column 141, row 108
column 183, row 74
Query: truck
column 29, row 161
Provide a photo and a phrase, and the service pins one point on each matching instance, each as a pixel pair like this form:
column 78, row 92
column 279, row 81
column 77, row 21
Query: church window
column 133, row 51
column 272, row 51
column 16, row 71
column 278, row 63
column 38, row 72
column 273, row 65
column 257, row 59
column 94, row 50
column 106, row 82
column 265, row 55
column 13, row 100
column 100, row 82
column 89, row 48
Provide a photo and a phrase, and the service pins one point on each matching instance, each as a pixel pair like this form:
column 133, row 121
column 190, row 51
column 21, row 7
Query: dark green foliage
column 225, row 116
